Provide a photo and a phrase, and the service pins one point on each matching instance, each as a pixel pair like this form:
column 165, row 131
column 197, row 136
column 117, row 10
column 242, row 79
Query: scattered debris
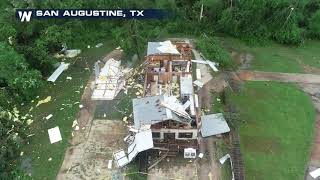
column 72, row 53
column 315, row 174
column 200, row 155
column 121, row 158
column 109, row 81
column 63, row 66
column 198, row 83
column 69, row 78
column 49, row 116
column 29, row 121
column 81, row 106
column 224, row 158
column 54, row 135
column 50, row 159
column 99, row 45
column 74, row 123
column 46, row 100
column 109, row 164
column 198, row 74
column 21, row 153
column 211, row 64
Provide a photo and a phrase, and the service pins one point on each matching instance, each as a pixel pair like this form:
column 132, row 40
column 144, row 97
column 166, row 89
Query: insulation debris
column 72, row 53
column 46, row 100
column 99, row 45
column 49, row 116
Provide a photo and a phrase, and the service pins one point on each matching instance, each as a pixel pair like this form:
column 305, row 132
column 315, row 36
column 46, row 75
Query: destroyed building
column 168, row 115
column 168, row 104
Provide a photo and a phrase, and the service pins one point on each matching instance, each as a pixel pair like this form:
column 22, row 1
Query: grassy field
column 279, row 58
column 276, row 138
column 66, row 95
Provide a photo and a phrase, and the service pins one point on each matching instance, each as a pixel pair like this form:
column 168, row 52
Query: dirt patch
column 243, row 59
column 89, row 160
column 216, row 84
column 261, row 144
column 174, row 168
column 89, row 141
column 311, row 70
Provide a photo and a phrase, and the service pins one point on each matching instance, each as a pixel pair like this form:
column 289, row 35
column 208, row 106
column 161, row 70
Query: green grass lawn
column 279, row 58
column 65, row 94
column 276, row 138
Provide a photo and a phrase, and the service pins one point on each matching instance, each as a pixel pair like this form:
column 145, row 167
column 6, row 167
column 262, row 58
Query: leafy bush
column 211, row 48
column 15, row 74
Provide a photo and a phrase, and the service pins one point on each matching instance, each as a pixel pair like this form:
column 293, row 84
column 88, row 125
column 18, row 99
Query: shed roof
column 213, row 124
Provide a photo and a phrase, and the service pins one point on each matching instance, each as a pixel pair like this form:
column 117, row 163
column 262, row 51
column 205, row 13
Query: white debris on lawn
column 63, row 66
column 77, row 128
column 210, row 63
column 71, row 53
column 69, row 78
column 74, row 123
column 198, row 83
column 21, row 153
column 43, row 101
column 50, row 159
column 81, row 106
column 224, row 158
column 49, row 116
column 118, row 48
column 200, row 155
column 99, row 45
column 54, row 135
column 29, row 121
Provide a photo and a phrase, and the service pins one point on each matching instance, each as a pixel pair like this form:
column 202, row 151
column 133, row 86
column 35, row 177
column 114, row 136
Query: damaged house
column 169, row 109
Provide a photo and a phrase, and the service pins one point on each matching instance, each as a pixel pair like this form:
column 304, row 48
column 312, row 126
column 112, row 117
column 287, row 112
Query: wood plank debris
column 63, row 66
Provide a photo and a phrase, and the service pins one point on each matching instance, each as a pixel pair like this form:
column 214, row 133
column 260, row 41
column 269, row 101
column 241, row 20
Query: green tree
column 15, row 73
column 12, row 132
column 314, row 24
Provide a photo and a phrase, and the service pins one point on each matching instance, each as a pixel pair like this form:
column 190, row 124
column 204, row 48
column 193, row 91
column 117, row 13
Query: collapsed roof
column 109, row 81
column 165, row 47
column 154, row 109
